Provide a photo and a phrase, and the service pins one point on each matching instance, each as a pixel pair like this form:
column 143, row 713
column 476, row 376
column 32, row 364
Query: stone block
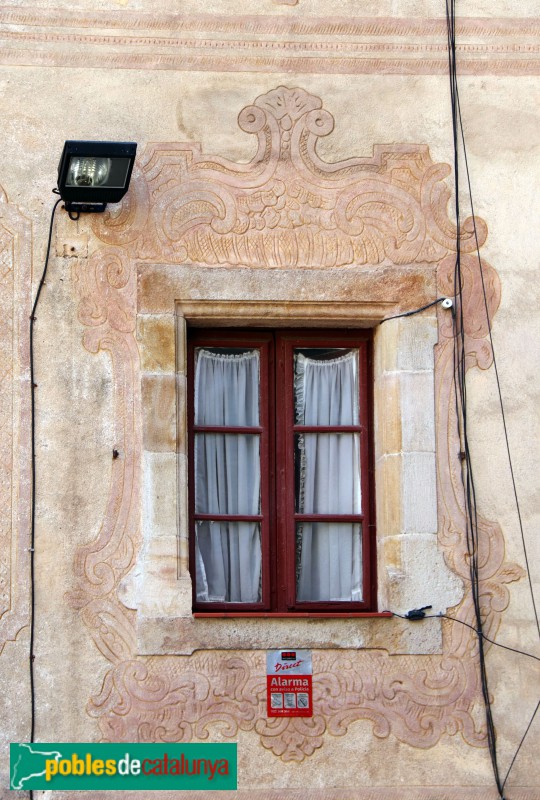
column 388, row 416
column 419, row 496
column 183, row 515
column 164, row 597
column 385, row 347
column 156, row 340
column 159, row 413
column 182, row 421
column 422, row 577
column 159, row 496
column 161, row 557
column 390, row 549
column 417, row 411
column 417, row 337
column 388, row 481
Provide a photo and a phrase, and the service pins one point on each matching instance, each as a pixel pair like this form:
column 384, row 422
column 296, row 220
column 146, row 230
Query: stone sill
column 290, row 615
column 166, row 635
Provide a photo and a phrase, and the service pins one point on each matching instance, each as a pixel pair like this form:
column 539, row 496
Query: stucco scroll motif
column 286, row 207
column 495, row 572
column 107, row 309
column 15, row 295
column 417, row 699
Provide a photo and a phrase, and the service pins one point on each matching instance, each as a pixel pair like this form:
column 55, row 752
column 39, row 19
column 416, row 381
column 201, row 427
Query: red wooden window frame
column 276, row 431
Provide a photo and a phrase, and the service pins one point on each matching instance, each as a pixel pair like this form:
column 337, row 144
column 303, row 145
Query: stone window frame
column 405, row 462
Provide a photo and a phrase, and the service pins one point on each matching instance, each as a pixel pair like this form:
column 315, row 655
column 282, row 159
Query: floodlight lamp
column 92, row 174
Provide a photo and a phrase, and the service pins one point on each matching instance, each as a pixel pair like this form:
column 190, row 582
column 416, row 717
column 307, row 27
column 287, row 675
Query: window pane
column 327, row 473
column 227, row 473
column 328, row 561
column 228, row 562
column 227, row 386
column 326, row 386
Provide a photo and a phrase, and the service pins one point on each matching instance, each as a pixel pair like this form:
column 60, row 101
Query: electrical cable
column 459, row 379
column 507, row 442
column 499, row 391
column 458, row 124
column 459, row 365
column 459, row 372
column 416, row 310
column 419, row 614
column 33, row 493
column 467, row 625
column 459, row 358
column 521, row 742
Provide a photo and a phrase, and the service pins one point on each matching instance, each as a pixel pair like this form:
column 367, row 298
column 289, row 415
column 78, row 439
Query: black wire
column 522, row 740
column 33, row 494
column 467, row 625
column 503, row 416
column 416, row 310
column 459, row 357
column 499, row 391
column 497, row 644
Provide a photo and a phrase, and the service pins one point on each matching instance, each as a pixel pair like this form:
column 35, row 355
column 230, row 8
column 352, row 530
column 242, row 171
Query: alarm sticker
column 289, row 677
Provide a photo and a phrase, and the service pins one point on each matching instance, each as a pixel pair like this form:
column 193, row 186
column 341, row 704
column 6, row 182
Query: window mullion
column 284, row 522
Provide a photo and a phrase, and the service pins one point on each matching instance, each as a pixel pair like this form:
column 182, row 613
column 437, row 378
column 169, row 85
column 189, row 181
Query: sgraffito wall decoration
column 15, row 486
column 286, row 207
column 271, row 41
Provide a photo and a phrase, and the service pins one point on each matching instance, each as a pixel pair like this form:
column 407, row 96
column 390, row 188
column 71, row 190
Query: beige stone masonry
column 405, row 471
column 155, row 337
column 358, row 297
column 158, row 395
column 405, row 446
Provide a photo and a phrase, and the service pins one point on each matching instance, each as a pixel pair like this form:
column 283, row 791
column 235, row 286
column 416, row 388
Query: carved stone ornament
column 286, row 207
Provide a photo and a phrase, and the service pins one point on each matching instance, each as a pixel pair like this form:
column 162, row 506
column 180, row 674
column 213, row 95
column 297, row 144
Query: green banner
column 62, row 766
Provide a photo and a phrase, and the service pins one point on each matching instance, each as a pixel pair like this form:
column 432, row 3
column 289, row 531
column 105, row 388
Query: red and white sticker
column 289, row 677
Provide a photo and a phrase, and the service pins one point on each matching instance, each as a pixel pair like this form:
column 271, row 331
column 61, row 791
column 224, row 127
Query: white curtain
column 329, row 554
column 227, row 477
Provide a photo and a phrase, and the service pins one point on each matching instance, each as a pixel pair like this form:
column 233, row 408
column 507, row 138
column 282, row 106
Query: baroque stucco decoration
column 285, row 207
column 15, row 283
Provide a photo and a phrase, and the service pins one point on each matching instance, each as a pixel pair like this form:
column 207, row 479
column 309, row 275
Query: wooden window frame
column 278, row 517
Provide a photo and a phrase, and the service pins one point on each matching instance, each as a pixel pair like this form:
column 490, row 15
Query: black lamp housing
column 92, row 174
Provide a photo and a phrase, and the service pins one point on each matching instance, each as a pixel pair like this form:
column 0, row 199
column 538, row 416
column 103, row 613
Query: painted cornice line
column 133, row 40
column 261, row 24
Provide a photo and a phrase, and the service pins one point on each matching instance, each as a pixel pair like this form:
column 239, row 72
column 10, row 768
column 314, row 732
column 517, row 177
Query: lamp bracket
column 86, row 208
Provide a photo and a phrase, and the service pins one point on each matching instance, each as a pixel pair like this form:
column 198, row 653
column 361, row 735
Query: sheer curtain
column 329, row 554
column 227, row 477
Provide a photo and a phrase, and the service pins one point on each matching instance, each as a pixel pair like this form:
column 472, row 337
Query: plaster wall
column 79, row 71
